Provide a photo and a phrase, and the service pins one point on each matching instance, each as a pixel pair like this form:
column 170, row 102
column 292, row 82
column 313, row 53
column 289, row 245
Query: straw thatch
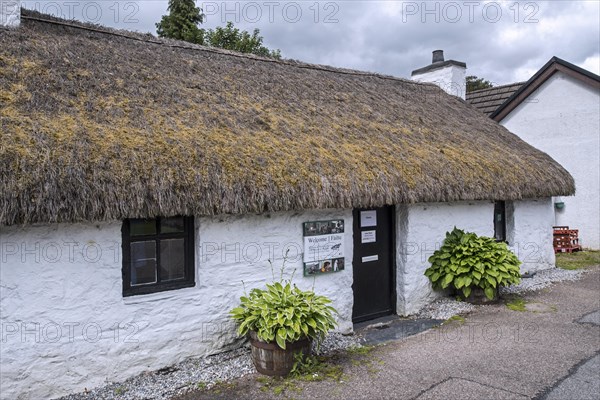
column 109, row 125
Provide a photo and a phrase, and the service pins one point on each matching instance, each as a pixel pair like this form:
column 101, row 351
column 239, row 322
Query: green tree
column 475, row 83
column 232, row 38
column 182, row 22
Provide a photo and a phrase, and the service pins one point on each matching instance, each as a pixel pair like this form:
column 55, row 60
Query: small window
column 500, row 221
column 158, row 254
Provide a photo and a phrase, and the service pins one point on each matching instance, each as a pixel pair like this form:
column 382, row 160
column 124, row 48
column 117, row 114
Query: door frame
column 393, row 266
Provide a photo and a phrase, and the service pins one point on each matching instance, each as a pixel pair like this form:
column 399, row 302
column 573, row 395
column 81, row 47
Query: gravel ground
column 194, row 373
column 444, row 309
column 207, row 371
column 542, row 279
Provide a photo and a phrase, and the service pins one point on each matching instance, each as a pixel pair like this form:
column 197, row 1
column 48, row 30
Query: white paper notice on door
column 368, row 218
column 370, row 258
column 368, row 237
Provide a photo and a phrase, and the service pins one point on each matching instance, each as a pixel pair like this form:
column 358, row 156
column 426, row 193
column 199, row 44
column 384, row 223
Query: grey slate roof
column 489, row 100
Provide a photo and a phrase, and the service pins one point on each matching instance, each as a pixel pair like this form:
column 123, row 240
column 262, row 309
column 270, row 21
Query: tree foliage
column 182, row 24
column 232, row 38
column 475, row 83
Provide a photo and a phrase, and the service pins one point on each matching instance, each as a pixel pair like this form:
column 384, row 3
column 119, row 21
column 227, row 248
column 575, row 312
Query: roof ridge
column 192, row 46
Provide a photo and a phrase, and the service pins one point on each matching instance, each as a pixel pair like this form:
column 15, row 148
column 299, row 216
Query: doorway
column 373, row 263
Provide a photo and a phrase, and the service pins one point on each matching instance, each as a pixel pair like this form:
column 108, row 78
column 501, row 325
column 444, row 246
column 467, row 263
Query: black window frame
column 500, row 208
column 189, row 279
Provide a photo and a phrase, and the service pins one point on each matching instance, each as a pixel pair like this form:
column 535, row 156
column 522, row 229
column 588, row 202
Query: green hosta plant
column 466, row 261
column 284, row 313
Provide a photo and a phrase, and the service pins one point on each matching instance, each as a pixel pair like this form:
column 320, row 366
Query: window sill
column 158, row 296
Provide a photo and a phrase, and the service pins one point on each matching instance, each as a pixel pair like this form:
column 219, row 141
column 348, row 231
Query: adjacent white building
column 558, row 112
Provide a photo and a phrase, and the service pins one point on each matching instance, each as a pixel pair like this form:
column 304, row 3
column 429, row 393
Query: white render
column 451, row 78
column 421, row 230
column 10, row 13
column 529, row 233
column 66, row 325
column 562, row 118
column 66, row 278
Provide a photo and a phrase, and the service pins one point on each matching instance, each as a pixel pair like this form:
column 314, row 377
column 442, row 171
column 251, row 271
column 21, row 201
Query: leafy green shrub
column 466, row 261
column 284, row 313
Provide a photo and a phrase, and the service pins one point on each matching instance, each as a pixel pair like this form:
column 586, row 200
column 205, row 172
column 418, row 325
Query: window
column 158, row 254
column 500, row 221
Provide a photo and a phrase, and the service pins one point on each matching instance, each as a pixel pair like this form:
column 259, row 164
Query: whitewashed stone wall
column 562, row 118
column 421, row 230
column 529, row 233
column 66, row 325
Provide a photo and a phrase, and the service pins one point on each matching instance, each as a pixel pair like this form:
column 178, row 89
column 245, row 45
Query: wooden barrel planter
column 270, row 359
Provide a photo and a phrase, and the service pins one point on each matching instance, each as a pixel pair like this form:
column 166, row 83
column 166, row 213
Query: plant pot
column 270, row 359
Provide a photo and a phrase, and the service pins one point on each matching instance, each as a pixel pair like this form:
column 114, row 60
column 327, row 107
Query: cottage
column 146, row 183
column 558, row 112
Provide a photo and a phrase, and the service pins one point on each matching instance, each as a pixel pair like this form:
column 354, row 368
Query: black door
column 373, row 263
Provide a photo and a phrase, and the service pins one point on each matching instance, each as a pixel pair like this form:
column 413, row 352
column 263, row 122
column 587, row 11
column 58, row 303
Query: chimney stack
column 10, row 13
column 449, row 75
column 438, row 56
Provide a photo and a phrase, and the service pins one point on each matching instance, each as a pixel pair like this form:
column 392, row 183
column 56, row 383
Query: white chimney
column 10, row 13
column 449, row 75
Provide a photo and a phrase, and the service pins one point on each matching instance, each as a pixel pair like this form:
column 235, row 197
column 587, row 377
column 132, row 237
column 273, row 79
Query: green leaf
column 466, row 291
column 489, row 293
column 447, row 279
column 280, row 338
column 468, row 281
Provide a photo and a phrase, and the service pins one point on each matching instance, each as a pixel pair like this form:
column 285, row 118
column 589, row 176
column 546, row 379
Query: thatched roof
column 109, row 125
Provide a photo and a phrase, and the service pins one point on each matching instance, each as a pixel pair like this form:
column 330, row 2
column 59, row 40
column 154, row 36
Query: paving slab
column 591, row 318
column 582, row 384
column 393, row 327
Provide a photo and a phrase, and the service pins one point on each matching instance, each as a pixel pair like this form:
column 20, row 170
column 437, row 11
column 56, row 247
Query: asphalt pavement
column 550, row 351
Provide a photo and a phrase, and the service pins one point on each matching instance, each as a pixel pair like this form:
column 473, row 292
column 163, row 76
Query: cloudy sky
column 502, row 41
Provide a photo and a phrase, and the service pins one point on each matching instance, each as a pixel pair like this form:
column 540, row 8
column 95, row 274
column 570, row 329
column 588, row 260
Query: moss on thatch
column 109, row 125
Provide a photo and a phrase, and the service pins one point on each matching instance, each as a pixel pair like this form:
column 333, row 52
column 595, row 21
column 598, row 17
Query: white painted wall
column 61, row 286
column 66, row 326
column 451, row 78
column 421, row 230
column 529, row 233
column 10, row 13
column 562, row 118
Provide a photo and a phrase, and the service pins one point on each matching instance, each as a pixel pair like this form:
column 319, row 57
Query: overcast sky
column 502, row 41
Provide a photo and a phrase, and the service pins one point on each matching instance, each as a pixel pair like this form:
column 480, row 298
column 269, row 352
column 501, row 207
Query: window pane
column 171, row 225
column 139, row 227
column 143, row 262
column 172, row 259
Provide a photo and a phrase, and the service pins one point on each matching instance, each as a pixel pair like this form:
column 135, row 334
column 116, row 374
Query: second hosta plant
column 466, row 261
